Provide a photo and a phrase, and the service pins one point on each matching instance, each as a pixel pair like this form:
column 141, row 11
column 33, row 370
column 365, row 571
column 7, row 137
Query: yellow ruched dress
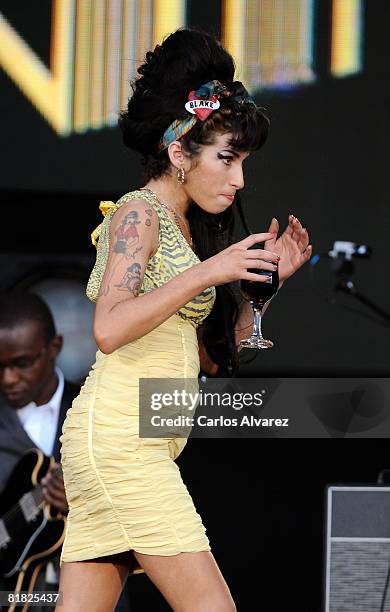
column 125, row 492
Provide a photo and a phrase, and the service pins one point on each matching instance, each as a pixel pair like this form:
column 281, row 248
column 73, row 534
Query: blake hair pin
column 200, row 104
column 204, row 100
column 201, row 108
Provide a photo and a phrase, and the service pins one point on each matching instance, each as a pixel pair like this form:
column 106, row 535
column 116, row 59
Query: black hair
column 18, row 307
column 187, row 59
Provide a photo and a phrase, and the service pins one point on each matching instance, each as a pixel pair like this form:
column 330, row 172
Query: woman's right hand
column 232, row 264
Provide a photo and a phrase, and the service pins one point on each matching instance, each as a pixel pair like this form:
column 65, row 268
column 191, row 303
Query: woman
column 162, row 274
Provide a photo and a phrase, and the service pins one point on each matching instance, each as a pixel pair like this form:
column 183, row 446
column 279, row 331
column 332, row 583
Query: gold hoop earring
column 180, row 176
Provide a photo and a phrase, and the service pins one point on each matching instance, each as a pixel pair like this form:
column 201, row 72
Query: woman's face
column 216, row 176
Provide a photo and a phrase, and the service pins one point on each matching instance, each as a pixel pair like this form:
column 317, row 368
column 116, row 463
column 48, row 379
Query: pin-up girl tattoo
column 127, row 234
column 131, row 280
column 126, row 247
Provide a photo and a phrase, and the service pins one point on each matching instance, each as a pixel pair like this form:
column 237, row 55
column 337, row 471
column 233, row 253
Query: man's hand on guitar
column 53, row 488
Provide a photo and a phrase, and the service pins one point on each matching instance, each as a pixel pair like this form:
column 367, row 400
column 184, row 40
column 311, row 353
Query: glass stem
column 257, row 310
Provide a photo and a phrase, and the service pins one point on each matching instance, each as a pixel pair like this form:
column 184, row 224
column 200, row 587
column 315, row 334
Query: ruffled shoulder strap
column 107, row 207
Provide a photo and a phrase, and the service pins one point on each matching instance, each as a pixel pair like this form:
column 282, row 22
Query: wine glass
column 258, row 293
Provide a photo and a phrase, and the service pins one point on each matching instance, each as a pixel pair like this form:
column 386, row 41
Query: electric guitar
column 31, row 530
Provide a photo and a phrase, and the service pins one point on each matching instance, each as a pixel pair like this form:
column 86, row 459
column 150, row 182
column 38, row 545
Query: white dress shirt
column 40, row 422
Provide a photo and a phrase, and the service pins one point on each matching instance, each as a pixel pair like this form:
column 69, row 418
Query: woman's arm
column 207, row 365
column 244, row 325
column 294, row 250
column 122, row 315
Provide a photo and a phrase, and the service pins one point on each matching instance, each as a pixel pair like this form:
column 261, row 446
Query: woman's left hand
column 292, row 246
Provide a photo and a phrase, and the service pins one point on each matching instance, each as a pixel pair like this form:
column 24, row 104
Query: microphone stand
column 344, row 270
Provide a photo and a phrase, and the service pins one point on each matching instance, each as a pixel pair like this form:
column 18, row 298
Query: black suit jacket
column 15, row 442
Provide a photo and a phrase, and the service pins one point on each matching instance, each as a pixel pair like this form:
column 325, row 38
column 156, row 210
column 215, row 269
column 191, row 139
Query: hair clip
column 204, row 100
column 201, row 108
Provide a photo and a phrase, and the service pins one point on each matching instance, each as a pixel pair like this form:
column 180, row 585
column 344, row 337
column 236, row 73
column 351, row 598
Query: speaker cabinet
column 357, row 549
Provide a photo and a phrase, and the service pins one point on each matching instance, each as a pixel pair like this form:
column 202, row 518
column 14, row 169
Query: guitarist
column 34, row 398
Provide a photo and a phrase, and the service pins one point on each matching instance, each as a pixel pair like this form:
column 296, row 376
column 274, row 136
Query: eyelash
column 225, row 158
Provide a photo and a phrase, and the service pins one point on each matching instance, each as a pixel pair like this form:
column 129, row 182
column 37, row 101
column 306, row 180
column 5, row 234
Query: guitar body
column 31, row 530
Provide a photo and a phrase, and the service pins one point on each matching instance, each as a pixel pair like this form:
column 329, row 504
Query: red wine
column 260, row 292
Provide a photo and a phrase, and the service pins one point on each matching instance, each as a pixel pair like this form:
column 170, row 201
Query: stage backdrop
column 320, row 69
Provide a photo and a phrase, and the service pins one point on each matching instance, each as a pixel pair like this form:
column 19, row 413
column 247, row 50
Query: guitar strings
column 15, row 510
